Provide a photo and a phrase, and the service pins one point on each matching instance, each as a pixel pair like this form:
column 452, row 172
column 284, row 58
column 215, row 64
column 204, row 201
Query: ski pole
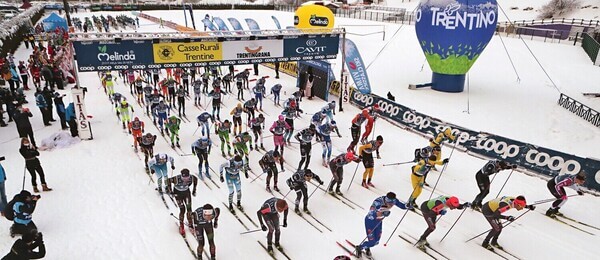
column 251, row 231
column 388, row 240
column 314, row 191
column 287, row 194
column 510, row 174
column 24, row 170
column 350, row 183
column 180, row 220
column 390, row 164
column 550, row 200
column 443, row 169
column 506, row 223
column 187, row 154
column 256, row 178
column 195, row 130
column 453, row 224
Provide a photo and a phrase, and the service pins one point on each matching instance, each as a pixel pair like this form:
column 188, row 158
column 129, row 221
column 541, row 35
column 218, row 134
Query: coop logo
column 501, row 148
column 311, row 48
column 318, row 21
column 103, row 56
column 555, row 163
column 366, row 100
column 411, row 118
column 452, row 17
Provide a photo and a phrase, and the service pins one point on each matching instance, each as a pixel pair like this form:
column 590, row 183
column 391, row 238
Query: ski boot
column 278, row 246
column 275, row 188
column 370, row 184
column 239, row 205
column 496, row 245
column 330, row 191
column 270, row 250
column 262, row 147
column 368, row 253
column 178, row 146
column 307, row 211
column 297, row 210
column 256, row 147
column 159, row 189
column 338, row 192
column 181, row 229
column 223, row 154
column 129, row 131
column 364, row 184
column 231, row 208
column 269, row 189
column 551, row 213
column 173, row 145
column 45, row 188
column 557, row 213
column 358, row 251
column 422, row 243
column 124, row 125
column 487, row 246
column 35, row 189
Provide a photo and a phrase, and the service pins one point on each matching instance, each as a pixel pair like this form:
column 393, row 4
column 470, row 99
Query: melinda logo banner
column 357, row 67
column 104, row 56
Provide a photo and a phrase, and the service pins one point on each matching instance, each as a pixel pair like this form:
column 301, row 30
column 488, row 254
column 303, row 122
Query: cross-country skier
column 239, row 81
column 136, row 128
column 202, row 120
column 434, row 207
column 492, row 211
column 298, row 183
column 440, row 138
column 240, row 145
column 139, row 89
column 365, row 152
column 268, row 164
column 161, row 111
column 557, row 186
column 380, row 209
column 317, row 119
column 329, row 110
column 249, row 108
column 276, row 90
column 155, row 99
column 368, row 115
column 270, row 213
column 147, row 145
column 278, row 128
column 148, row 91
column 172, row 126
column 181, row 191
column 417, row 178
column 259, row 91
column 324, row 133
column 197, row 85
column 170, row 82
column 258, row 125
column 206, row 219
column 337, row 170
column 216, row 102
column 158, row 165
column 108, row 81
column 236, row 113
column 205, row 78
column 232, row 173
column 201, row 148
column 290, row 112
column 305, row 137
column 223, row 130
column 125, row 110
column 180, row 93
column 483, row 179
column 227, row 82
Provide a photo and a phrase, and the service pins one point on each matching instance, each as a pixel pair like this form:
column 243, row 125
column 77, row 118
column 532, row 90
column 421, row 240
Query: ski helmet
column 136, row 119
column 425, row 152
column 149, row 134
column 239, row 105
column 379, row 138
column 207, row 210
column 308, row 173
column 519, row 202
column 204, row 138
column 276, row 154
column 185, row 172
column 452, row 202
column 237, row 158
column 312, row 126
column 280, row 117
column 260, row 115
column 350, row 156
column 342, row 257
column 390, row 197
column 332, row 105
column 333, row 122
column 365, row 112
column 448, row 132
column 281, row 205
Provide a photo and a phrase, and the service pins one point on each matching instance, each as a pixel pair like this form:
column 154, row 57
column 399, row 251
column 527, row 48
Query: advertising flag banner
column 357, row 68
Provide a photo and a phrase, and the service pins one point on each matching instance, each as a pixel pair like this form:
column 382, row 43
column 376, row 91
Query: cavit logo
column 318, row 20
column 103, row 56
column 311, row 48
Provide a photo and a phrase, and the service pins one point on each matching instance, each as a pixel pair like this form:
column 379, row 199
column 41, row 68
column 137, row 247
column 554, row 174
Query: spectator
column 32, row 163
column 276, row 69
column 23, row 207
column 48, row 95
column 23, row 247
column 40, row 101
column 391, row 97
column 3, row 201
column 21, row 117
column 70, row 117
column 60, row 109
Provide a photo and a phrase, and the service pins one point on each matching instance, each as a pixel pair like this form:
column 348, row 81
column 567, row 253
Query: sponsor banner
column 112, row 55
column 182, row 52
column 235, row 24
column 290, row 68
column 236, row 50
column 252, row 25
column 276, row 22
column 208, row 24
column 306, row 45
column 357, row 67
column 345, row 89
column 83, row 125
column 221, row 24
column 533, row 158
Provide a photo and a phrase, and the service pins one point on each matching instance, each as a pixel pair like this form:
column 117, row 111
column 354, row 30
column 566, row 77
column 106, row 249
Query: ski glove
column 446, row 160
column 221, row 178
column 152, row 171
column 246, row 173
column 510, row 218
column 172, row 167
column 443, row 212
column 215, row 224
column 514, row 166
column 285, row 223
column 263, row 227
column 465, row 205
column 531, row 207
column 320, row 182
column 580, row 193
column 194, row 193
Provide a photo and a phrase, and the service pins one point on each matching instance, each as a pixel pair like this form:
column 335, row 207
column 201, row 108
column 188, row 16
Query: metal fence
column 371, row 13
column 580, row 109
column 584, row 22
column 590, row 46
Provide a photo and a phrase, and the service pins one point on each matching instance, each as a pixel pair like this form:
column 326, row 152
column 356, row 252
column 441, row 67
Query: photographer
column 32, row 163
column 23, row 209
column 21, row 117
column 23, row 248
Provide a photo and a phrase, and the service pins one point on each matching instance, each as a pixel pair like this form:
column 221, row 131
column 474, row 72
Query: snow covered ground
column 104, row 207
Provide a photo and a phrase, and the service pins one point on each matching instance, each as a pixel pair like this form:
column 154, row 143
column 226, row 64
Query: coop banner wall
column 534, row 158
column 171, row 53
